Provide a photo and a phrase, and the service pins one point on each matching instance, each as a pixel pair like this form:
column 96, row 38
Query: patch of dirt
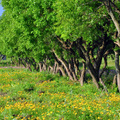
column 14, row 67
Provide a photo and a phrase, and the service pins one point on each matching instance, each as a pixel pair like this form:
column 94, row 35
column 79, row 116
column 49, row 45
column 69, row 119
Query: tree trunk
column 19, row 62
column 55, row 67
column 28, row 66
column 104, row 68
column 95, row 79
column 114, row 81
column 76, row 67
column 12, row 63
column 23, row 62
column 115, row 21
column 40, row 67
column 105, row 88
column 94, row 74
column 64, row 64
column 72, row 70
column 33, row 62
column 117, row 69
column 61, row 70
column 44, row 67
column 117, row 25
column 50, row 69
column 82, row 77
column 113, row 17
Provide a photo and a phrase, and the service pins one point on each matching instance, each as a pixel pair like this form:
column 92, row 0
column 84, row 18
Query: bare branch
column 63, row 43
column 105, row 61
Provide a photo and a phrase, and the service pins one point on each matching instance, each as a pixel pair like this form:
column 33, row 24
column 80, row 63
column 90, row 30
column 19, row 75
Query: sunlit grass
column 111, row 63
column 28, row 95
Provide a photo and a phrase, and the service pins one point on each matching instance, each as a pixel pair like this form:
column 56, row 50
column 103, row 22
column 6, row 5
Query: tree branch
column 63, row 43
column 105, row 61
column 116, row 8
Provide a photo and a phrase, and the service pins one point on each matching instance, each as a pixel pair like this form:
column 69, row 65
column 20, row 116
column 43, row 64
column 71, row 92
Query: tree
column 35, row 34
column 58, row 35
column 28, row 30
column 78, row 21
column 113, row 9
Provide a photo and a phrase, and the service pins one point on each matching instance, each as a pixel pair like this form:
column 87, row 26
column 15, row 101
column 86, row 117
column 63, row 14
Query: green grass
column 6, row 62
column 43, row 96
column 111, row 63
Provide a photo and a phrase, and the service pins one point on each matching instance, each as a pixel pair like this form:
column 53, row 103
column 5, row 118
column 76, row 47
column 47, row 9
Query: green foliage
column 79, row 18
column 29, row 87
column 28, row 28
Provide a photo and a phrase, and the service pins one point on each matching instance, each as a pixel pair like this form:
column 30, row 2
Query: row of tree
column 59, row 35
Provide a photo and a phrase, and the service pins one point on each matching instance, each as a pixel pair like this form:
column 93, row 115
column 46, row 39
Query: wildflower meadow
column 28, row 95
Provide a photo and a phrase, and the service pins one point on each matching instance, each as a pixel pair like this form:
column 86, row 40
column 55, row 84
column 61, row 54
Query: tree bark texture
column 65, row 66
column 117, row 69
column 82, row 76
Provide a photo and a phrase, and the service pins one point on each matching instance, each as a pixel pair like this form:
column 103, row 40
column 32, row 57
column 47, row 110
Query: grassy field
column 6, row 62
column 111, row 63
column 28, row 95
